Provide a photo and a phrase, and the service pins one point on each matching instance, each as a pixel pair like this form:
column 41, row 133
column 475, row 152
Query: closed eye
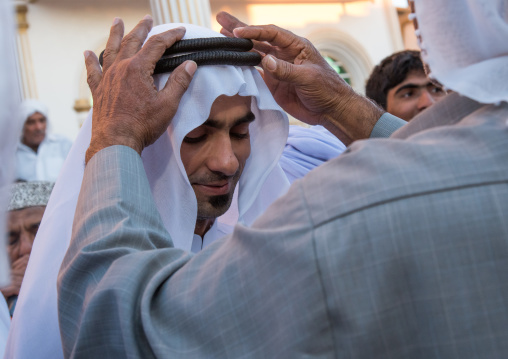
column 194, row 139
column 241, row 130
column 34, row 228
column 240, row 136
column 13, row 238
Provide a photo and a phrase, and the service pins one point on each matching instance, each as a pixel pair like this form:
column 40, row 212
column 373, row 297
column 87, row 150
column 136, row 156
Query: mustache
column 212, row 177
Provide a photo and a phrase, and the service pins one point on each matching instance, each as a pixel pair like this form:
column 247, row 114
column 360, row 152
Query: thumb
column 177, row 84
column 280, row 69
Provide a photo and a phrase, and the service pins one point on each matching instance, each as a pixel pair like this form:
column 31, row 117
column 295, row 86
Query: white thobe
column 45, row 164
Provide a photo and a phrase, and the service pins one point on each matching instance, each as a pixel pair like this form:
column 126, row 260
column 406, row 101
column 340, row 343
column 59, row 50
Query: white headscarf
column 35, row 331
column 465, row 44
column 29, row 107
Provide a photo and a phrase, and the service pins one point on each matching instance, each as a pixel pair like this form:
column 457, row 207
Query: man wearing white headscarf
column 40, row 155
column 396, row 248
column 176, row 182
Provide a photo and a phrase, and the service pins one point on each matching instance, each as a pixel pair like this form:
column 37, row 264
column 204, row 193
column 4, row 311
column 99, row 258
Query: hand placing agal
column 127, row 108
column 303, row 83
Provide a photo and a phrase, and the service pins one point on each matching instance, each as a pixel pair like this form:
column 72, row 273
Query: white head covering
column 465, row 44
column 261, row 183
column 29, row 107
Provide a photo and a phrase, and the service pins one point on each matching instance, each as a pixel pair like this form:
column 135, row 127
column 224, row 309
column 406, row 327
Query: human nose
column 26, row 241
column 39, row 126
column 425, row 100
column 222, row 157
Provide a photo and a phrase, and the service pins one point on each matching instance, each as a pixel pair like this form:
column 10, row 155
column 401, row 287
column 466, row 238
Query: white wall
column 59, row 32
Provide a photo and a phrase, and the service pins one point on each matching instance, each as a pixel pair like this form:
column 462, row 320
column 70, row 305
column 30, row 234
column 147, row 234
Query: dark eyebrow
column 248, row 118
column 412, row 86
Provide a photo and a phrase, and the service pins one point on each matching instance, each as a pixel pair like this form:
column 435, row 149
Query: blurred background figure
column 26, row 208
column 399, row 85
column 40, row 155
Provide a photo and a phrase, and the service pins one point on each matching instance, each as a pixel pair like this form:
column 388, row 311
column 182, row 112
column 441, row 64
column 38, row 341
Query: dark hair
column 390, row 72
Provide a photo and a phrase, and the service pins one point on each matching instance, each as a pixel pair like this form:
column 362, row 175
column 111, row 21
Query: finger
column 279, row 69
column 133, row 41
column 10, row 291
column 176, row 86
column 271, row 39
column 113, row 44
column 20, row 263
column 260, row 47
column 261, row 72
column 272, row 34
column 93, row 71
column 227, row 33
column 263, row 47
column 23, row 259
column 155, row 46
column 228, row 21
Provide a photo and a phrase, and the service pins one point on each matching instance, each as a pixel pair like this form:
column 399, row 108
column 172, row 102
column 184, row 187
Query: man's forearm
column 375, row 124
column 116, row 222
column 354, row 117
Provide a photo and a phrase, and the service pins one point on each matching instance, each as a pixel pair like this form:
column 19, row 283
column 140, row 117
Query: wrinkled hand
column 18, row 269
column 127, row 108
column 303, row 83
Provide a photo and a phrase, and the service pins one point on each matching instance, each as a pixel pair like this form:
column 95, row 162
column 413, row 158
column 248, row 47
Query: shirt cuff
column 386, row 125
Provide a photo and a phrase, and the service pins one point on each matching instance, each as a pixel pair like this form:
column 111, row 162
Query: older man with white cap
column 395, row 249
column 40, row 155
column 26, row 208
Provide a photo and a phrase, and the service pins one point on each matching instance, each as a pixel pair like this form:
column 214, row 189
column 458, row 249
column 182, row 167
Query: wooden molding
column 82, row 105
column 21, row 10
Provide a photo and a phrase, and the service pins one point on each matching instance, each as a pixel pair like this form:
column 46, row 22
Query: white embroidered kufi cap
column 30, row 194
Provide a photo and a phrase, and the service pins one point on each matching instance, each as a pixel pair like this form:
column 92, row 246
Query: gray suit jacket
column 396, row 249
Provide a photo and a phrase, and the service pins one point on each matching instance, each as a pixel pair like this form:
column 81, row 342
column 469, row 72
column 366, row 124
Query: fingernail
column 190, row 67
column 147, row 17
column 116, row 20
column 270, row 63
column 236, row 30
column 86, row 54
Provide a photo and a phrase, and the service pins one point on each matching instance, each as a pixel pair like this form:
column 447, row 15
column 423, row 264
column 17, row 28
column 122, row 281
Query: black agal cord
column 207, row 51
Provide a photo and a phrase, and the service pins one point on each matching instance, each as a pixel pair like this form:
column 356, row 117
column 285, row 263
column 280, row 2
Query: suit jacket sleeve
column 124, row 291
